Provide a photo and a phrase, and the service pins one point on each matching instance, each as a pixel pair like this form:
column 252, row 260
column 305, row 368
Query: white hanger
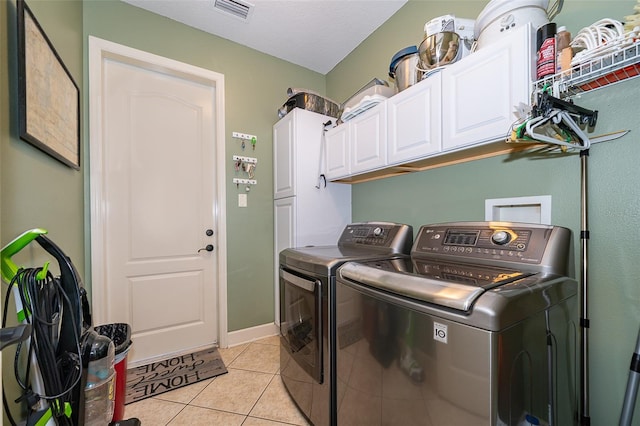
column 557, row 116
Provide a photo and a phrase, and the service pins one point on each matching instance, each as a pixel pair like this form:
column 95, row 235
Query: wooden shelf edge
column 462, row 155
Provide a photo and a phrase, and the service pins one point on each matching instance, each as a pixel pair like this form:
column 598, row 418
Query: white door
column 159, row 202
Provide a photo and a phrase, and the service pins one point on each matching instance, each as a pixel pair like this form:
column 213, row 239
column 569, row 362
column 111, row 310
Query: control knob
column 377, row 232
column 501, row 237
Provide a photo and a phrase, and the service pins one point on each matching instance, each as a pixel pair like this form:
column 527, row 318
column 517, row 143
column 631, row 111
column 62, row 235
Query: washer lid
column 325, row 260
column 454, row 286
column 497, row 8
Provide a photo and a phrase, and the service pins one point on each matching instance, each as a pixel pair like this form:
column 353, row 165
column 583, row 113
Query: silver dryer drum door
column 300, row 321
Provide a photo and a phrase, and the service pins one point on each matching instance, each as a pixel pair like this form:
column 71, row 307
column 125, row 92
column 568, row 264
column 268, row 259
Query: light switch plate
column 242, row 200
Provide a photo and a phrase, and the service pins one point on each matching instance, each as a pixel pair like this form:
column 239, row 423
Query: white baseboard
column 246, row 335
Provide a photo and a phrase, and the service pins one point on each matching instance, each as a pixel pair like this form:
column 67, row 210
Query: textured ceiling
column 315, row 34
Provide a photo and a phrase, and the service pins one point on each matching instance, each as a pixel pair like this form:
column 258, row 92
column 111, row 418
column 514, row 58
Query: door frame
column 98, row 50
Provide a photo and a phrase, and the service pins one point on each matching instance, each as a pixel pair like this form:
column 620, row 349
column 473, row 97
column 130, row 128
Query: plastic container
column 99, row 402
column 377, row 91
column 120, row 334
column 501, row 17
column 563, row 49
column 99, row 397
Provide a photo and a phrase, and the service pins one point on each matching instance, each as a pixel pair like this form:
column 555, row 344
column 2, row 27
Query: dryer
column 307, row 310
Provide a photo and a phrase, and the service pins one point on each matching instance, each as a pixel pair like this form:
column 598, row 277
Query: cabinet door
column 284, row 223
column 481, row 92
column 415, row 121
column 283, row 157
column 337, row 152
column 368, row 135
column 284, row 214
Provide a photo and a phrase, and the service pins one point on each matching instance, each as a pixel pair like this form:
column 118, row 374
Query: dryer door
column 300, row 321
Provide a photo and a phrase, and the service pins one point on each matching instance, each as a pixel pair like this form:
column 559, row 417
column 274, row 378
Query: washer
column 478, row 326
column 307, row 310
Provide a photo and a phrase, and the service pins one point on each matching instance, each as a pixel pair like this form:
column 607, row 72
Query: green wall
column 37, row 191
column 255, row 87
column 406, row 28
column 458, row 192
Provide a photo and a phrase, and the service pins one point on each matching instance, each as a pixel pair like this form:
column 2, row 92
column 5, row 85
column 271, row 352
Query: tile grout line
column 241, row 369
column 275, row 376
column 261, row 395
column 177, row 414
column 254, row 346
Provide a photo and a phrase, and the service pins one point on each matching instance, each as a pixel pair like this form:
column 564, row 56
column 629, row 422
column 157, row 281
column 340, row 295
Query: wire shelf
column 593, row 74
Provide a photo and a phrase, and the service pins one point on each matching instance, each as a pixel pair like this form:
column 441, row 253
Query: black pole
column 585, row 420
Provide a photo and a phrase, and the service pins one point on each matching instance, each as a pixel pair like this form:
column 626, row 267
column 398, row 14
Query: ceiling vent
column 239, row 9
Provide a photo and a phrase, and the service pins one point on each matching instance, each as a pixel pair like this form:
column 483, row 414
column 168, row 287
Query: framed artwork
column 49, row 99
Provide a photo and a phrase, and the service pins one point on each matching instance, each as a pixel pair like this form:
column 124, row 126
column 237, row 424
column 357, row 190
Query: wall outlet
column 242, row 200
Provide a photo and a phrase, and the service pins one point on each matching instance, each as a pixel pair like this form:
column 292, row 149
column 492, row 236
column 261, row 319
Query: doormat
column 173, row 373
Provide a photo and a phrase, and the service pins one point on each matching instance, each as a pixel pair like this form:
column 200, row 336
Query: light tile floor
column 250, row 394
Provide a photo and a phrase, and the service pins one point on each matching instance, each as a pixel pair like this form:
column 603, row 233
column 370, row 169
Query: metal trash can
column 120, row 334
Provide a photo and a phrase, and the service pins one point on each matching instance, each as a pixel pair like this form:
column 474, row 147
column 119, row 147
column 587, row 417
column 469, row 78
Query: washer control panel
column 511, row 242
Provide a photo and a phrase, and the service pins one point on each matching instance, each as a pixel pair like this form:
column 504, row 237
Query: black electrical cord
column 44, row 303
column 42, row 321
column 4, row 324
column 75, row 380
column 72, row 380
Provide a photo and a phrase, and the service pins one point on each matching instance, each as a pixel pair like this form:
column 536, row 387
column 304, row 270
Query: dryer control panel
column 378, row 234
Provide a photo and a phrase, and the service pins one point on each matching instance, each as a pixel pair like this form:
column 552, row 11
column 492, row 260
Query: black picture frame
column 49, row 98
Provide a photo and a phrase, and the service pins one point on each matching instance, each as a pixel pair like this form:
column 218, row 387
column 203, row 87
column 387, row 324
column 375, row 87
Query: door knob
column 209, row 247
column 209, row 232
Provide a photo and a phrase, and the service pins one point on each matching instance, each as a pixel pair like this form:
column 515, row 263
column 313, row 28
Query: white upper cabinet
column 414, row 120
column 297, row 152
column 466, row 104
column 368, row 133
column 283, row 157
column 481, row 92
column 337, row 152
column 357, row 146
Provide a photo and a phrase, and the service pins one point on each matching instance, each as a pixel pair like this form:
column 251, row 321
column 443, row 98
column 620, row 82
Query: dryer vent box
column 519, row 209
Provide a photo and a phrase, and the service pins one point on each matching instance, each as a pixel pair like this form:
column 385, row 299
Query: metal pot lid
column 411, row 50
column 497, row 8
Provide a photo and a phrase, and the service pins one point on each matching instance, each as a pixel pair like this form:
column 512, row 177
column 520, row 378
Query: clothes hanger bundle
column 555, row 122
